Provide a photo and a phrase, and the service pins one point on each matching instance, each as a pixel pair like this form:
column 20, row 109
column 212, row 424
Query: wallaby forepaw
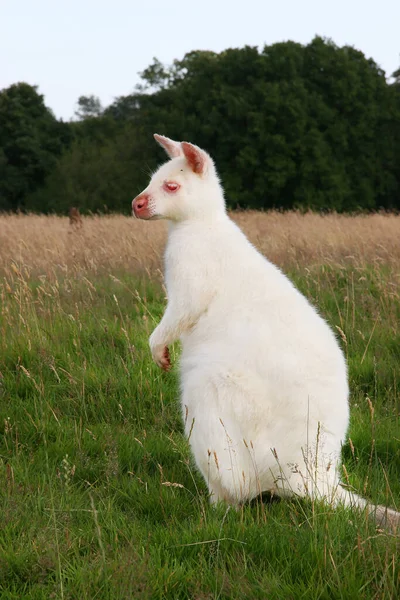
column 165, row 362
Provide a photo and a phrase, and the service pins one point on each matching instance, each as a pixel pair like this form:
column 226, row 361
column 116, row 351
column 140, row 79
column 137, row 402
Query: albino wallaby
column 263, row 380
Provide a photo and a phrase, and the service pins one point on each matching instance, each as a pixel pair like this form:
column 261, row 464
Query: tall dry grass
column 115, row 243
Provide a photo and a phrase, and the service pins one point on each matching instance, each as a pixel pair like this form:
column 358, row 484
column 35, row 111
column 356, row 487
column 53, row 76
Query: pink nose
column 140, row 205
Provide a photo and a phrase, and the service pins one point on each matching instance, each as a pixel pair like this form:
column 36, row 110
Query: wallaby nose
column 140, row 205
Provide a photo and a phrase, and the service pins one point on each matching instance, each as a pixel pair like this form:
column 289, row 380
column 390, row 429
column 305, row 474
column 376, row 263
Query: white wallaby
column 263, row 380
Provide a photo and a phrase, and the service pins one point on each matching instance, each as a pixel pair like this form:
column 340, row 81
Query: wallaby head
column 185, row 187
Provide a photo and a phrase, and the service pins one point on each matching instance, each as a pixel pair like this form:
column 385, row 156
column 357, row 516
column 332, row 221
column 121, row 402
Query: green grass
column 99, row 495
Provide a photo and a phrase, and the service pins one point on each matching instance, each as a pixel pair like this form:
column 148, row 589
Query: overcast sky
column 82, row 47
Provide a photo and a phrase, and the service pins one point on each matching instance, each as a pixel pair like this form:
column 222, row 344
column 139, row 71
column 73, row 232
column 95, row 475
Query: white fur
column 263, row 380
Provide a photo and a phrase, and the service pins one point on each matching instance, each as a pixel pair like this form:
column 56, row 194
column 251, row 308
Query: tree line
column 312, row 126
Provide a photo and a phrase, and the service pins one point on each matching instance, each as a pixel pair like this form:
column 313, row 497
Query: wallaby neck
column 197, row 222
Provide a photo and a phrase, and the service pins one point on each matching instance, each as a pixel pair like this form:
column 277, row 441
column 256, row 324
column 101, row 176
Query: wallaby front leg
column 168, row 331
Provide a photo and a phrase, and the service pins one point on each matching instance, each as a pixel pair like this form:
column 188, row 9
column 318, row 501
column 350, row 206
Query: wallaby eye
column 171, row 186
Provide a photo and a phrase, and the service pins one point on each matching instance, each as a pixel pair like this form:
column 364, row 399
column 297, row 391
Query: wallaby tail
column 383, row 516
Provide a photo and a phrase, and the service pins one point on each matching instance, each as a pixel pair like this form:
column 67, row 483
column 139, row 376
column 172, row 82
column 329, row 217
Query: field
column 99, row 495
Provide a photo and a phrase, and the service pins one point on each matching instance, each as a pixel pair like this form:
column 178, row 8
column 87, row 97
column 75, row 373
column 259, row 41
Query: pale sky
column 82, row 47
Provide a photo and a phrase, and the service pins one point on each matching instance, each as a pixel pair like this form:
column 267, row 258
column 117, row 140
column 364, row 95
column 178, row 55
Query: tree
column 88, row 106
column 289, row 126
column 31, row 139
column 396, row 77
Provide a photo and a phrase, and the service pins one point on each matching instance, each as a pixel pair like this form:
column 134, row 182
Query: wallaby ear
column 173, row 149
column 195, row 157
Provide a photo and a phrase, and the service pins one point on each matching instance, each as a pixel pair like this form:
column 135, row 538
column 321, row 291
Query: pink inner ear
column 172, row 148
column 194, row 156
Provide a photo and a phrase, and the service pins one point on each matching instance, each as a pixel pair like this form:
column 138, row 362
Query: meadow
column 99, row 496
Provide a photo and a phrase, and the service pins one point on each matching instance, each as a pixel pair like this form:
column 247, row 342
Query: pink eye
column 171, row 186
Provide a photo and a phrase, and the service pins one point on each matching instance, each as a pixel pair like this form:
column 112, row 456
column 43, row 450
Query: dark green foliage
column 31, row 138
column 290, row 126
